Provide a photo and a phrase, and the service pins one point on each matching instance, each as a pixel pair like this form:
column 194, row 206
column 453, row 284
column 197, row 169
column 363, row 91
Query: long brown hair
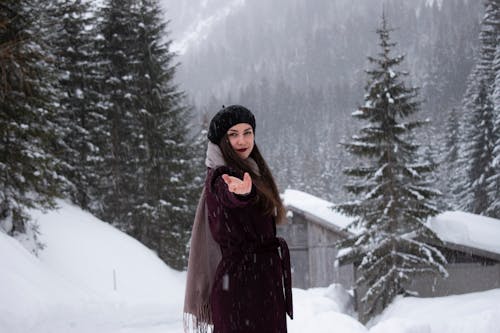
column 267, row 191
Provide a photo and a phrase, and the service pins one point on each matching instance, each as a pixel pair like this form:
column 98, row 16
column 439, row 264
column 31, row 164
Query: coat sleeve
column 220, row 191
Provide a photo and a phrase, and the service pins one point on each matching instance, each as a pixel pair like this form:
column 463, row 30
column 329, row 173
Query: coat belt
column 237, row 254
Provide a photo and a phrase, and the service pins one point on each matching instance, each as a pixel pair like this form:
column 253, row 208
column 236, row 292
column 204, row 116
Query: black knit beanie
column 226, row 118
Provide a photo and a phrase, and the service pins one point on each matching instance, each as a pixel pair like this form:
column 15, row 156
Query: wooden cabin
column 471, row 245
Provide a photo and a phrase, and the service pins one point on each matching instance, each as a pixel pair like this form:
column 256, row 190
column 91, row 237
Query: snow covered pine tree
column 480, row 188
column 148, row 181
column 395, row 198
column 71, row 35
column 27, row 128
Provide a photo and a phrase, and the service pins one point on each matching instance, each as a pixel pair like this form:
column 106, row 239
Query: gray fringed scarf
column 204, row 256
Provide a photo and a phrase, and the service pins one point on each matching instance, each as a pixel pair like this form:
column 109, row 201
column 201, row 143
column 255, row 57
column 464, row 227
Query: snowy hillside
column 91, row 278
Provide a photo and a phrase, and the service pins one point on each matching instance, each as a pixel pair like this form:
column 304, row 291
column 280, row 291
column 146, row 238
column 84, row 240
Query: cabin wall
column 313, row 253
column 463, row 278
column 295, row 234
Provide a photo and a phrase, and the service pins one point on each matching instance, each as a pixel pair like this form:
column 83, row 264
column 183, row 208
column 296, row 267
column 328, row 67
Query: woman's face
column 241, row 138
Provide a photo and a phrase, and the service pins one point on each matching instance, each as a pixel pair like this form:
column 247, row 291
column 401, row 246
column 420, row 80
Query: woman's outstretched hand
column 238, row 186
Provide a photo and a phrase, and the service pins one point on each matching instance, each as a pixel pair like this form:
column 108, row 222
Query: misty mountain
column 300, row 65
column 228, row 44
column 191, row 21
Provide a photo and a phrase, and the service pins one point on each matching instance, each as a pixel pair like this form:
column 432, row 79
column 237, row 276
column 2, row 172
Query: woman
column 239, row 271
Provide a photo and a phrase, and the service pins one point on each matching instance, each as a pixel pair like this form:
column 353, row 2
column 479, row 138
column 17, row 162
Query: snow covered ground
column 91, row 278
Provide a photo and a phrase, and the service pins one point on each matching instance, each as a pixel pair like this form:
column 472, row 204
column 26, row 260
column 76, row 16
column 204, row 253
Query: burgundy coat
column 252, row 286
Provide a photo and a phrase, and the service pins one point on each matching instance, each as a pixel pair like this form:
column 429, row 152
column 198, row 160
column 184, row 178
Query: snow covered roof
column 314, row 206
column 471, row 230
column 452, row 227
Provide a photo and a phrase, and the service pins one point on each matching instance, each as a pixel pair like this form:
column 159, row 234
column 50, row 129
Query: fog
column 300, row 66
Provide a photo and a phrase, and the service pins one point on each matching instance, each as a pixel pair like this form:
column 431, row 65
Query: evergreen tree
column 450, row 171
column 494, row 188
column 479, row 153
column 72, row 39
column 480, row 188
column 392, row 190
column 118, row 162
column 27, row 127
column 149, row 171
column 168, row 193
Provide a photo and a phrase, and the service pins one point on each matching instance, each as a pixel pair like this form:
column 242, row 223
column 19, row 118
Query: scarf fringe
column 199, row 323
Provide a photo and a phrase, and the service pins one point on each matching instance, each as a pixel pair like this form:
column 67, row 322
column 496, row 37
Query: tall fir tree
column 167, row 164
column 393, row 196
column 494, row 189
column 480, row 187
column 494, row 181
column 449, row 171
column 118, row 61
column 479, row 153
column 150, row 181
column 27, row 126
column 72, row 39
